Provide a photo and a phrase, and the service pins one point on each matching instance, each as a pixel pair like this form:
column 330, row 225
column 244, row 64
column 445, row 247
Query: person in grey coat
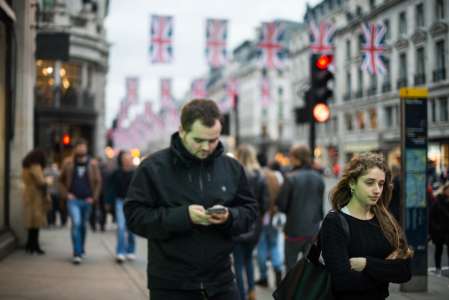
column 301, row 199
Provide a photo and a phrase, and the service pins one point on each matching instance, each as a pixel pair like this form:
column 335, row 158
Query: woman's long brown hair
column 341, row 194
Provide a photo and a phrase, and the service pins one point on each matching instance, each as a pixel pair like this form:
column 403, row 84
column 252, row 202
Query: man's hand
column 218, row 218
column 90, row 200
column 357, row 263
column 198, row 215
column 70, row 196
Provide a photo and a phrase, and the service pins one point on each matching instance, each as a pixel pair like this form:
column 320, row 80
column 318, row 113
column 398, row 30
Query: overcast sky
column 128, row 32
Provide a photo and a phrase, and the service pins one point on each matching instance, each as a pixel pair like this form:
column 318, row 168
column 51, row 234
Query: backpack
column 309, row 279
column 258, row 186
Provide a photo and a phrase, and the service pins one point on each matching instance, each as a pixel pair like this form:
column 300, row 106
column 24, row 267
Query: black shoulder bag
column 309, row 279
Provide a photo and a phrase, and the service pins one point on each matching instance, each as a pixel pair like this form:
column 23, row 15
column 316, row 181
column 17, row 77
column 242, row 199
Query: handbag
column 309, row 279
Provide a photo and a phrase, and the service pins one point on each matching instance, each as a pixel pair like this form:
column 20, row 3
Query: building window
column 387, row 29
column 433, row 110
column 348, row 49
column 439, row 9
column 402, row 80
column 373, row 118
column 389, row 117
column 280, row 91
column 387, row 75
column 361, row 40
column 420, row 21
column 360, row 85
column 360, row 118
column 420, row 76
column 372, row 4
column 443, row 109
column 348, row 82
column 348, row 122
column 440, row 67
column 402, row 24
column 45, row 82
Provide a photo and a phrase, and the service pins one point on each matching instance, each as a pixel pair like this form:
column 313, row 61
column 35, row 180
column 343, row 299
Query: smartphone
column 216, row 210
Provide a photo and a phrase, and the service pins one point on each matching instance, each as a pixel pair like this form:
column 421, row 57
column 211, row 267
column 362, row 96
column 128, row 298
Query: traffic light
column 66, row 139
column 319, row 93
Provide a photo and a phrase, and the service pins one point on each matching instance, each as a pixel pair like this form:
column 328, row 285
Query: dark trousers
column 32, row 244
column 55, row 208
column 98, row 215
column 243, row 261
column 160, row 294
column 439, row 253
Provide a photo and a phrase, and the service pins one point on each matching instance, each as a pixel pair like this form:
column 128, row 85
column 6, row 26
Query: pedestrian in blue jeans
column 117, row 189
column 79, row 210
column 80, row 186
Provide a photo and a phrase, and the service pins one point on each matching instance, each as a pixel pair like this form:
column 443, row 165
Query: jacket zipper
column 201, row 178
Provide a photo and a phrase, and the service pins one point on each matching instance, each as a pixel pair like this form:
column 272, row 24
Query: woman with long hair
column 36, row 198
column 375, row 253
column 244, row 244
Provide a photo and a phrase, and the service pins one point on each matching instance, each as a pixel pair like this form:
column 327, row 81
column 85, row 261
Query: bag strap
column 344, row 224
column 315, row 249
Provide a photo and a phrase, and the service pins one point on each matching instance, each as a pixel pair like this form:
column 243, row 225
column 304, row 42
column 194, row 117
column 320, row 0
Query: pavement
column 54, row 277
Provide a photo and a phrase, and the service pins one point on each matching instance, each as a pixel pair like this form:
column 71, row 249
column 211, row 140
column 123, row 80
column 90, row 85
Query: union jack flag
column 322, row 38
column 161, row 48
column 265, row 91
column 272, row 52
column 198, row 89
column 373, row 48
column 132, row 85
column 216, row 35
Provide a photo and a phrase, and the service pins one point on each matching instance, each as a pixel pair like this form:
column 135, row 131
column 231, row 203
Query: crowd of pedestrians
column 208, row 214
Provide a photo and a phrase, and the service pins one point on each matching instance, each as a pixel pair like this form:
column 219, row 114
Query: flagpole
column 236, row 120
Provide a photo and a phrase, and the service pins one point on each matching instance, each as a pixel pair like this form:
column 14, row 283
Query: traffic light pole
column 312, row 136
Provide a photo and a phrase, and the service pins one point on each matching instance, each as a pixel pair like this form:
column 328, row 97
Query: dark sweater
column 366, row 240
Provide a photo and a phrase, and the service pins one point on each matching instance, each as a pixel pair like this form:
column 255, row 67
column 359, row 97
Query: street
column 54, row 277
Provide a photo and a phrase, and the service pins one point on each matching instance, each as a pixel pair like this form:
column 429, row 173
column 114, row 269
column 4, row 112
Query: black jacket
column 439, row 220
column 301, row 198
column 182, row 255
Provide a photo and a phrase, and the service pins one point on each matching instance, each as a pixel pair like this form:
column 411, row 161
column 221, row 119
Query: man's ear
column 182, row 133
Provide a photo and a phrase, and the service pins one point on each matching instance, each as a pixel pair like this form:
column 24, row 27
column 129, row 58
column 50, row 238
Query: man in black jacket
column 301, row 199
column 167, row 203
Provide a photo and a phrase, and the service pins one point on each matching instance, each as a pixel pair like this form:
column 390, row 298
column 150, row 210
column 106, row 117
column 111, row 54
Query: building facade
column 71, row 66
column 366, row 107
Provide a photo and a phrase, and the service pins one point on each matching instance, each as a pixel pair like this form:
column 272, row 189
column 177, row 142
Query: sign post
column 414, row 181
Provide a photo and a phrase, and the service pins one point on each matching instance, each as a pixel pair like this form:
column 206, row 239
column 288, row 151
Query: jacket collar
column 180, row 153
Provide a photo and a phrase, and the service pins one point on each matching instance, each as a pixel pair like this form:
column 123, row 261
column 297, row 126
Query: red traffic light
column 66, row 139
column 321, row 112
column 323, row 62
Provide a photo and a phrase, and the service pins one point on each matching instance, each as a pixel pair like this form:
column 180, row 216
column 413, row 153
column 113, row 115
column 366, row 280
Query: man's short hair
column 204, row 110
column 302, row 154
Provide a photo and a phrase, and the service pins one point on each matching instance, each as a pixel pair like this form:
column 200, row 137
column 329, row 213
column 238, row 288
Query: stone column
column 24, row 107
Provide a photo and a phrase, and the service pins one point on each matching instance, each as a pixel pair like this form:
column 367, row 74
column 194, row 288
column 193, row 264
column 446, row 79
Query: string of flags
column 272, row 54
